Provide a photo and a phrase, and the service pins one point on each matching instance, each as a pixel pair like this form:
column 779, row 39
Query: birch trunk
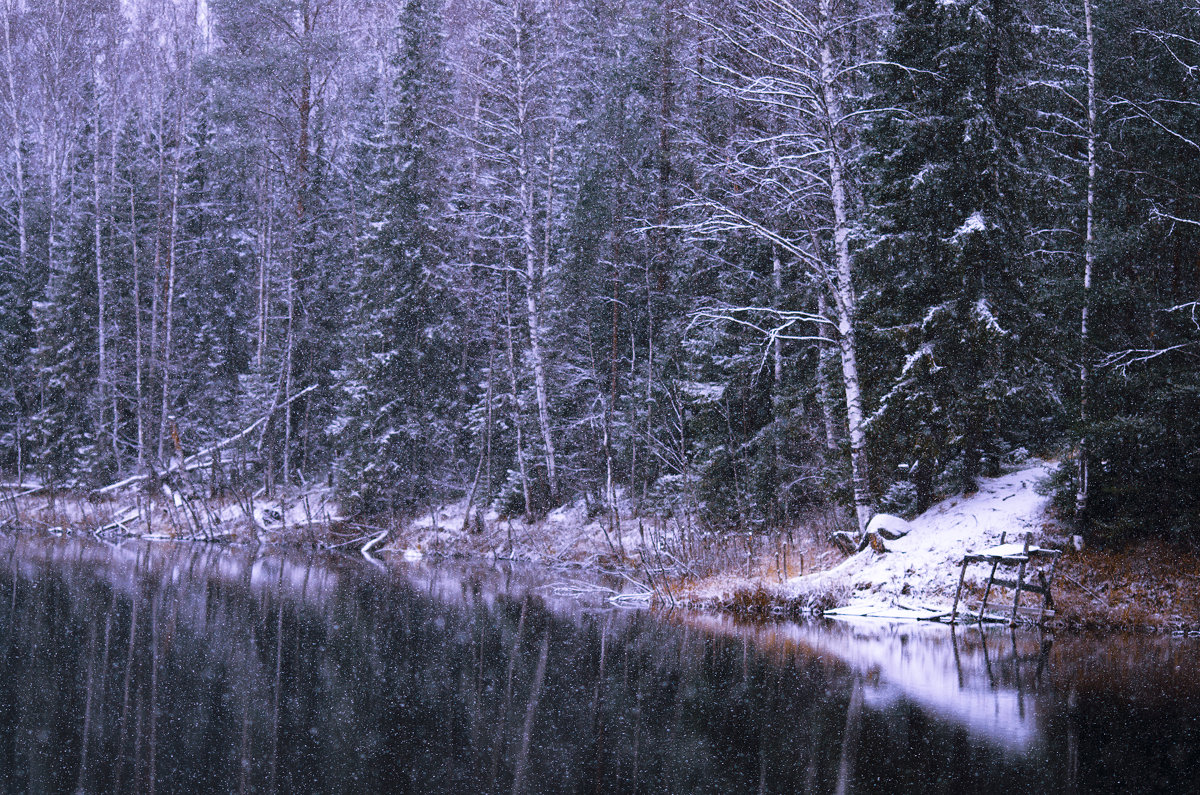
column 825, row 389
column 844, row 296
column 516, row 410
column 1089, row 254
column 18, row 146
column 140, row 401
column 290, row 344
column 777, row 383
column 533, row 272
column 264, row 263
column 18, row 141
column 168, row 313
column 113, row 391
column 102, row 376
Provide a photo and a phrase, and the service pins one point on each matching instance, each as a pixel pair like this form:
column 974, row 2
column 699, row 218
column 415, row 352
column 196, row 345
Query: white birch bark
column 825, row 357
column 18, row 139
column 138, row 354
column 168, row 314
column 843, row 292
column 1089, row 255
column 534, row 274
column 784, row 63
column 102, row 364
column 516, row 407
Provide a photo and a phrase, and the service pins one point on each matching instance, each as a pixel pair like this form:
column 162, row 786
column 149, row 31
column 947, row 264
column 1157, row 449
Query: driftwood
column 198, row 460
column 366, row 548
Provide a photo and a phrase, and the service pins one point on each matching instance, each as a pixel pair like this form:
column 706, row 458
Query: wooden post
column 987, row 591
column 1047, row 580
column 961, row 574
column 1020, row 578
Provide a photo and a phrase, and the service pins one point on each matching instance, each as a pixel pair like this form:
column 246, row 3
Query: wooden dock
column 1029, row 578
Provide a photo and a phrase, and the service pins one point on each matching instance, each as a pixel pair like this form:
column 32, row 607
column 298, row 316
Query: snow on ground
column 574, row 531
column 922, row 568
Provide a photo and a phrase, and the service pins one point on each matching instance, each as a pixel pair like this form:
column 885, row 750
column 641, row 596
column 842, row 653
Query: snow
column 974, row 223
column 1007, row 550
column 700, row 390
column 887, row 524
column 983, row 312
column 921, row 569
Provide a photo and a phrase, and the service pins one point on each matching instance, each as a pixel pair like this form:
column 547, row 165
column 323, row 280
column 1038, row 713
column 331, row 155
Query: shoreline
column 1146, row 588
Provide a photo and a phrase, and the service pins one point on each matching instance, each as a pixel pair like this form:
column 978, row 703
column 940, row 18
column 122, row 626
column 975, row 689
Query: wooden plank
column 1025, row 586
column 1028, row 612
column 1003, row 560
column 1020, row 580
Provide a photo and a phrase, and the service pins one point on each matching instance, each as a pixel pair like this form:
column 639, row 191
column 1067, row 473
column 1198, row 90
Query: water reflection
column 160, row 668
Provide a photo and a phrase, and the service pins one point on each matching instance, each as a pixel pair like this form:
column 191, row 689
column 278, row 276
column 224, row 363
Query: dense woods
column 736, row 257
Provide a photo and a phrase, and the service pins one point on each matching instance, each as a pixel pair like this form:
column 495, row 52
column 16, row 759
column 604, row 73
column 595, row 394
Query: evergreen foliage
column 676, row 256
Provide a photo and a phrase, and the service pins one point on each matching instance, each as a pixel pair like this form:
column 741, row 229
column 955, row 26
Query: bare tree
column 792, row 64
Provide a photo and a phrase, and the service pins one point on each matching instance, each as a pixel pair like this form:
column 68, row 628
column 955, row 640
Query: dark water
column 184, row 669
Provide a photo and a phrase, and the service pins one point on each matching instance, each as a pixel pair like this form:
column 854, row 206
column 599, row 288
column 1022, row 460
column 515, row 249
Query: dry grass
column 1147, row 586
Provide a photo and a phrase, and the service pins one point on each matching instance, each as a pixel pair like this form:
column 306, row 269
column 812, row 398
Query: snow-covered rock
column 889, row 526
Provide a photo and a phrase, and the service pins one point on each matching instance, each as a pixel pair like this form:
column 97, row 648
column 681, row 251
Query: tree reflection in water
column 163, row 668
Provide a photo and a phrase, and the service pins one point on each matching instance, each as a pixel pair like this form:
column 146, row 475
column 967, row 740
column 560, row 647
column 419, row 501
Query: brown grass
column 1147, row 586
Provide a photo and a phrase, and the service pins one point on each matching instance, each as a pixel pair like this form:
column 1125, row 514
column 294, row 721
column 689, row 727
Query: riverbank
column 671, row 560
column 1146, row 587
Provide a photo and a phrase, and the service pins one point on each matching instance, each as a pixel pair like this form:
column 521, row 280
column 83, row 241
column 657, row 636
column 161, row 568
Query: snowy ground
column 570, row 533
column 921, row 569
column 918, row 573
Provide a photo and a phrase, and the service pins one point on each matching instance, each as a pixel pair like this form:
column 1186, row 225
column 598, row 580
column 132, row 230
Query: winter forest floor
column 670, row 561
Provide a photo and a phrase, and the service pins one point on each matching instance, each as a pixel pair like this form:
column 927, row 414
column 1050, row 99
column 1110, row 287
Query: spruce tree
column 951, row 186
column 397, row 388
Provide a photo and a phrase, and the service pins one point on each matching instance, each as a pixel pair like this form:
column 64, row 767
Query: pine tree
column 62, row 429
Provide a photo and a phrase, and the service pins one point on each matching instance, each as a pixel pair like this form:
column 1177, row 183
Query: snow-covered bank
column 921, row 568
column 672, row 560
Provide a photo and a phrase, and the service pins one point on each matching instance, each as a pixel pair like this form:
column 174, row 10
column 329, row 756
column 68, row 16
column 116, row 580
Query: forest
column 744, row 258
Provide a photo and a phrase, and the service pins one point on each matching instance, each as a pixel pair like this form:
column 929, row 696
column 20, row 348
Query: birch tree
column 518, row 138
column 790, row 183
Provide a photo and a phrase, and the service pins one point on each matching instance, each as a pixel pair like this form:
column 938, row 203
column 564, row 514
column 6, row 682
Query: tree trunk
column 777, row 437
column 263, row 302
column 825, row 355
column 102, row 364
column 140, row 401
column 516, row 407
column 534, row 279
column 1089, row 255
column 168, row 312
column 844, row 296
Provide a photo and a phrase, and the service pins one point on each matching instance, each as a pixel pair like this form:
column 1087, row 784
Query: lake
column 189, row 668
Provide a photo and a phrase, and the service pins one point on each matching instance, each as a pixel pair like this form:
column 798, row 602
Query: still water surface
column 162, row 668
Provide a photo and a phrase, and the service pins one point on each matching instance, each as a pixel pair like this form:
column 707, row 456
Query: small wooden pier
column 1030, row 578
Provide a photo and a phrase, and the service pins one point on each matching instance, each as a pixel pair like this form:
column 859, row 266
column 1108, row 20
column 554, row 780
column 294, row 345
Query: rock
column 888, row 526
column 845, row 541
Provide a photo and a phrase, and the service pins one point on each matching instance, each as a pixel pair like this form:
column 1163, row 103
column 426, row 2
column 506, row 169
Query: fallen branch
column 366, row 548
column 191, row 460
column 357, row 540
column 1078, row 584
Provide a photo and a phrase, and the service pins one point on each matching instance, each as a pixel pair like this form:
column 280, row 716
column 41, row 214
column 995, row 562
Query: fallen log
column 192, row 460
